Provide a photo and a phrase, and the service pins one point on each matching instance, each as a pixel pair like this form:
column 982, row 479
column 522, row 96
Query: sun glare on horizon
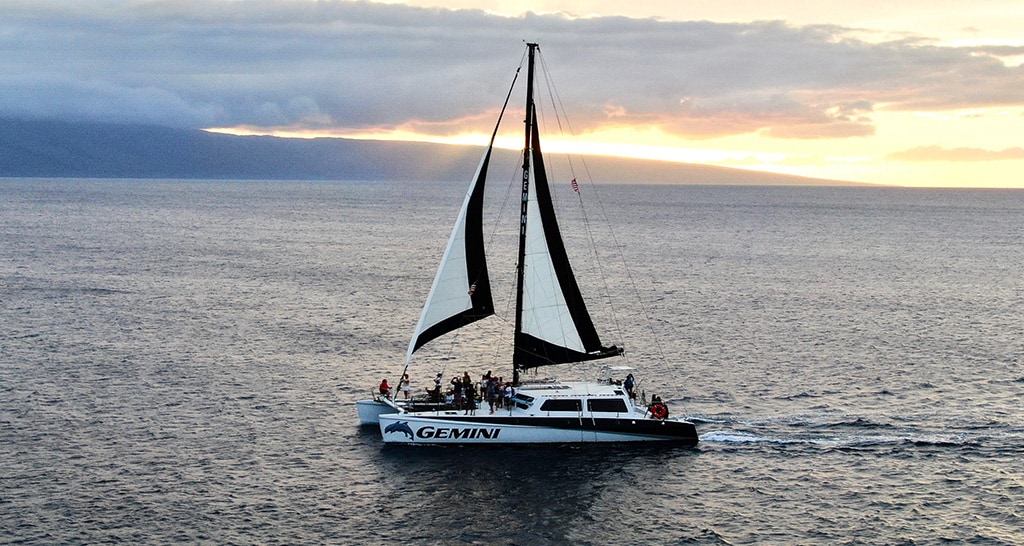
column 888, row 159
column 597, row 145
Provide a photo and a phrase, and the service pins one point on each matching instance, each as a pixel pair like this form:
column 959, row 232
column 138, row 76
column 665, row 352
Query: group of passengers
column 462, row 393
column 498, row 393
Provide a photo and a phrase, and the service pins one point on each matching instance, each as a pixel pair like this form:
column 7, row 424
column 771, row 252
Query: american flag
column 575, row 186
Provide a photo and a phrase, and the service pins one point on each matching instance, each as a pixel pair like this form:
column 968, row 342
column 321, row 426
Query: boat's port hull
column 371, row 410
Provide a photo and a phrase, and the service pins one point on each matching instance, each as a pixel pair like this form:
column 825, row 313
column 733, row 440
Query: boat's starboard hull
column 429, row 429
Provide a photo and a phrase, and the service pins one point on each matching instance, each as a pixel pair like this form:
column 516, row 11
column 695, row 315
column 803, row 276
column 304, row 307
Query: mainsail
column 552, row 322
column 555, row 326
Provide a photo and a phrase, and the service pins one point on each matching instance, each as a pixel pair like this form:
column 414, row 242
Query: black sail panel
column 559, row 258
column 532, row 352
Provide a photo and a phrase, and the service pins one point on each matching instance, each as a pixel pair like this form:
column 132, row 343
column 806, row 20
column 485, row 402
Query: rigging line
column 494, row 134
column 508, row 192
column 633, row 286
column 557, row 101
column 490, row 146
column 512, row 187
column 495, row 225
column 625, row 266
column 561, row 112
column 595, row 252
column 559, row 107
column 589, row 178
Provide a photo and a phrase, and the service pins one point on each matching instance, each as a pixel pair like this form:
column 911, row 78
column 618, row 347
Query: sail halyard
column 553, row 325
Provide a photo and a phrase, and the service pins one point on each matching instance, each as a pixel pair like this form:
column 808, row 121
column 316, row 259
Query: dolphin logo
column 399, row 426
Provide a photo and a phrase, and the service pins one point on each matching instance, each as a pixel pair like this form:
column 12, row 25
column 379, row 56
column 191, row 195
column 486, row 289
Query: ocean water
column 179, row 364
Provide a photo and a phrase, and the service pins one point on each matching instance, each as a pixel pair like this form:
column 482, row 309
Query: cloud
column 367, row 66
column 938, row 153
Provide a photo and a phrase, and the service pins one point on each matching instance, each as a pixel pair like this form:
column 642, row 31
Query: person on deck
column 508, row 394
column 457, row 389
column 469, row 397
column 435, row 395
column 500, row 393
column 385, row 389
column 404, row 386
column 630, row 383
column 468, row 392
column 492, row 393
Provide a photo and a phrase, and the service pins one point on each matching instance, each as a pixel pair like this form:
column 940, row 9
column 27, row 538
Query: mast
column 527, row 147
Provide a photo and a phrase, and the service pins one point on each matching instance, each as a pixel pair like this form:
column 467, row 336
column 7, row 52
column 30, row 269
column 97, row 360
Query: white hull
column 410, row 429
column 371, row 410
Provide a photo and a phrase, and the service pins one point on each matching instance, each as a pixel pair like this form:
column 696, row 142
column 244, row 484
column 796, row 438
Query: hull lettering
column 441, row 433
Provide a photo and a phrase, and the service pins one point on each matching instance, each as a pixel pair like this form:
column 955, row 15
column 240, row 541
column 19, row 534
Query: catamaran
column 552, row 326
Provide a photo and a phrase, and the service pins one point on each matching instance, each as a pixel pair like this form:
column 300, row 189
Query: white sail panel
column 448, row 295
column 545, row 313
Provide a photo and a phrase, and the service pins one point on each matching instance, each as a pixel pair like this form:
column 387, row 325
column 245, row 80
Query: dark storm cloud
column 356, row 65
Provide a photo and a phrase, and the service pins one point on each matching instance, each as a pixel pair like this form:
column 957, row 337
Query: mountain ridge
column 71, row 149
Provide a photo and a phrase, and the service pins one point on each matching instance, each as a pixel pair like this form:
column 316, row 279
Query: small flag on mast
column 575, row 186
column 472, row 288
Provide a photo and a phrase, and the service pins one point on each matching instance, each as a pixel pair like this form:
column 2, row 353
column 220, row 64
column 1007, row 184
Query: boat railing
column 544, row 386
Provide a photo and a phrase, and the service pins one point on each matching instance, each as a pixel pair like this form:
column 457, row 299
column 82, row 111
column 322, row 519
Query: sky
column 911, row 93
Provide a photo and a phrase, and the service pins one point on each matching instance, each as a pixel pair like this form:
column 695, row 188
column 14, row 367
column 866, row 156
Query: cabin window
column 522, row 401
column 561, row 405
column 607, row 405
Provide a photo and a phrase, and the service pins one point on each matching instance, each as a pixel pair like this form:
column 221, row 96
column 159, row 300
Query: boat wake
column 852, row 441
column 841, row 431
